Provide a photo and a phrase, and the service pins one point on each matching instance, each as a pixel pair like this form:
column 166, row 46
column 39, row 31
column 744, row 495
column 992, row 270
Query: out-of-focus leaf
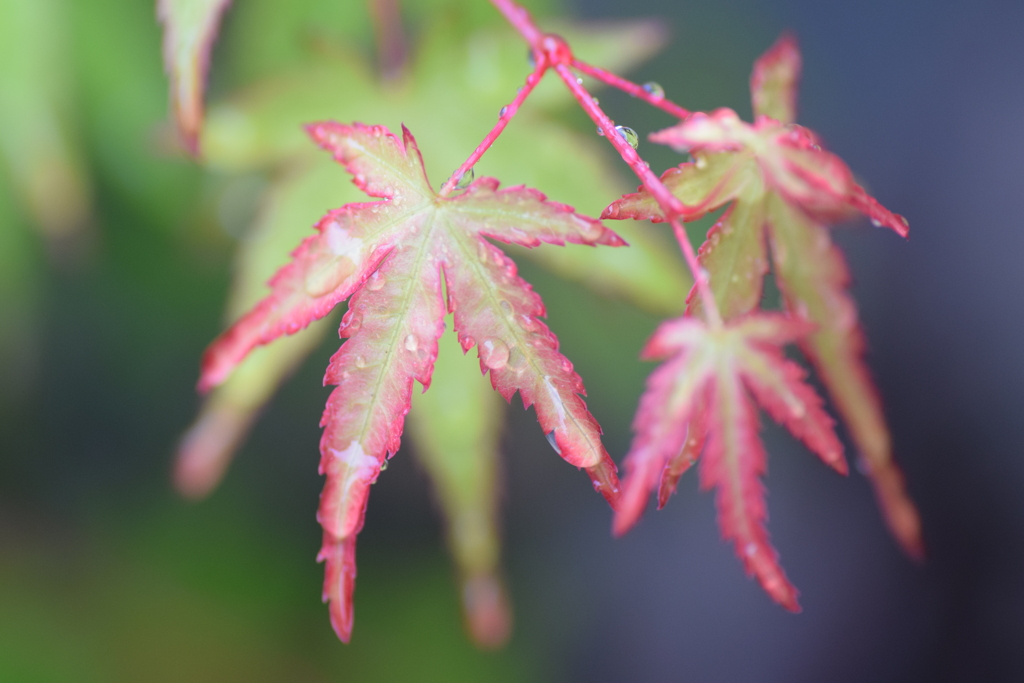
column 783, row 189
column 190, row 27
column 290, row 207
column 37, row 142
column 455, row 427
column 712, row 374
column 773, row 83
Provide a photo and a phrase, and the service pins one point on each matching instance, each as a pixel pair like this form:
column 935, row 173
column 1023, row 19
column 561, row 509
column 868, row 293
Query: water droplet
column 384, row 465
column 600, row 132
column 376, row 281
column 411, row 343
column 506, row 307
column 553, row 441
column 579, row 81
column 350, row 323
column 494, row 353
column 595, row 100
column 516, row 359
column 875, row 222
column 905, row 222
column 465, row 179
column 629, row 135
column 700, row 162
column 654, row 90
column 750, row 550
column 504, row 110
column 359, row 362
column 531, row 58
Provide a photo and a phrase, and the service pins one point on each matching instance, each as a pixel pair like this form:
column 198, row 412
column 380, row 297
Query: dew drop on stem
column 629, row 135
column 654, row 90
column 465, row 179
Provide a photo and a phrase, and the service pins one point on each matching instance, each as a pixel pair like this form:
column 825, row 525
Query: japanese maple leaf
column 783, row 188
column 391, row 257
column 710, row 377
column 190, row 27
column 455, row 429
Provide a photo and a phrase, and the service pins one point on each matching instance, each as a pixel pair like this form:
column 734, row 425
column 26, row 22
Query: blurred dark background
column 105, row 574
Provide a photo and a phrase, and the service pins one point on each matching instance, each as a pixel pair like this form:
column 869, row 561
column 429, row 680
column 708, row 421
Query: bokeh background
column 107, row 575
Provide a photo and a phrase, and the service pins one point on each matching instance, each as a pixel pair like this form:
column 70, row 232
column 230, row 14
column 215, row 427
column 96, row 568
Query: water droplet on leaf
column 376, row 281
column 351, row 322
column 494, row 353
column 629, row 135
column 700, row 162
column 506, row 307
column 553, row 441
column 411, row 343
column 654, row 90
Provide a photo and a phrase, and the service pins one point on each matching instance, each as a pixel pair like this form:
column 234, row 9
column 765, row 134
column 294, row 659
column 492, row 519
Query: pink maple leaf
column 712, row 375
column 782, row 190
column 405, row 262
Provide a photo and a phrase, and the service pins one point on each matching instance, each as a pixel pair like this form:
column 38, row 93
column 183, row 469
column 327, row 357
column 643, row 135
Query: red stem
column 630, row 88
column 560, row 60
column 520, row 19
column 507, row 113
column 669, row 204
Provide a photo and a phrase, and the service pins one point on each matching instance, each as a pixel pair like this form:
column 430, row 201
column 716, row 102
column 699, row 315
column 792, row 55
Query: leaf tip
column 207, row 448
column 339, row 582
column 486, row 610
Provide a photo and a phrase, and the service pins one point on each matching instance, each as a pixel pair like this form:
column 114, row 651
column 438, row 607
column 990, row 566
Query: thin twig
column 507, row 112
column 553, row 52
column 631, row 88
